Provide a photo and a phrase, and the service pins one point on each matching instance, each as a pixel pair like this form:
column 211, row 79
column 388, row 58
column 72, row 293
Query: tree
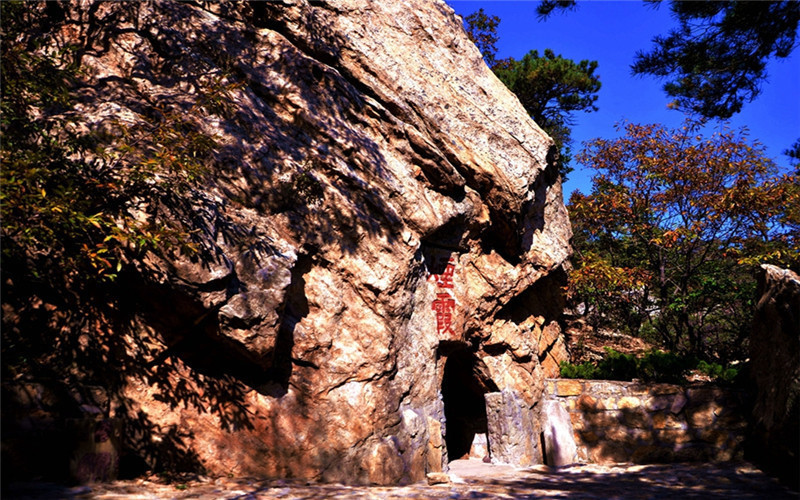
column 715, row 61
column 671, row 218
column 70, row 199
column 794, row 155
column 551, row 88
column 80, row 208
column 547, row 7
column 482, row 30
column 78, row 204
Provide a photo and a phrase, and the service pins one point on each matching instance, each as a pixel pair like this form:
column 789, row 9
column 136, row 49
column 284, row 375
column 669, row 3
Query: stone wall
column 651, row 423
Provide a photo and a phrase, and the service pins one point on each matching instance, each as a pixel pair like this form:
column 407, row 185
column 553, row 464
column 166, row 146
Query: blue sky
column 611, row 32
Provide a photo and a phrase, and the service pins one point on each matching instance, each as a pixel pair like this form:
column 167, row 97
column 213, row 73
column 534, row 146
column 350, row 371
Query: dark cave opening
column 464, row 383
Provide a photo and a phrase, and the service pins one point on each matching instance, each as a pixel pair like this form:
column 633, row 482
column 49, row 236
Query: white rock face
column 560, row 447
column 312, row 338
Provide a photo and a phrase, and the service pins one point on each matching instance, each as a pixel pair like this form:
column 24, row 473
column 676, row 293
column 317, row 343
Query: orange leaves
column 98, row 258
column 667, row 239
column 678, row 182
column 597, row 276
column 673, row 210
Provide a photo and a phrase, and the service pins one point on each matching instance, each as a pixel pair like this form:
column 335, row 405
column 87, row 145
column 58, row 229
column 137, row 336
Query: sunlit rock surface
column 329, row 338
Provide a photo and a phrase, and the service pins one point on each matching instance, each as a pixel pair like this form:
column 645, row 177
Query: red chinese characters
column 445, row 280
column 445, row 304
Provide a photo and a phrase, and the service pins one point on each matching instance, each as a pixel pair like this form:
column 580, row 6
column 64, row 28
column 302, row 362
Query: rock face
column 775, row 367
column 511, row 426
column 350, row 335
column 559, row 441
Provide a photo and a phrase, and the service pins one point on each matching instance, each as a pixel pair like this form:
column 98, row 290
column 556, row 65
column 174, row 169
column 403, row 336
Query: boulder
column 379, row 205
column 513, row 429
column 775, row 369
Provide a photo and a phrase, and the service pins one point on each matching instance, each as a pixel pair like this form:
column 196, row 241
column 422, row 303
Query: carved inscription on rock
column 444, row 305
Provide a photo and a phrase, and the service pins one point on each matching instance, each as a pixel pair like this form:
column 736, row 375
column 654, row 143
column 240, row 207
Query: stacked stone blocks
column 652, row 423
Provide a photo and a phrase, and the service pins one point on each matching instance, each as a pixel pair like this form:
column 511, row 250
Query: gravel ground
column 470, row 479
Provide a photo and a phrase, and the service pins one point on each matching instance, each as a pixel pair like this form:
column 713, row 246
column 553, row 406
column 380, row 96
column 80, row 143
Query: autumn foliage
column 667, row 239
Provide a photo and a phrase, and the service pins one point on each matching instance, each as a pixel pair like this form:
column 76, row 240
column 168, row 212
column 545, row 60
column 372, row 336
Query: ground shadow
column 725, row 481
column 682, row 480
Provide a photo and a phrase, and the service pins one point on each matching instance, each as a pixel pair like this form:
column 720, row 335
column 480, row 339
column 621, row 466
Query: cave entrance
column 464, row 383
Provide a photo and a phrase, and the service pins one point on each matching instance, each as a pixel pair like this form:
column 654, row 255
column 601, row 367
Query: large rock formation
column 775, row 367
column 382, row 239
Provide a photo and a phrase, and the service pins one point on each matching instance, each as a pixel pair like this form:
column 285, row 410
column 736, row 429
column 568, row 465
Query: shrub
column 617, row 366
column 584, row 370
column 652, row 366
column 718, row 372
column 662, row 366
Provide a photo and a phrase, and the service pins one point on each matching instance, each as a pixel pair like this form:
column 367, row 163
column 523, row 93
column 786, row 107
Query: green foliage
column 794, row 156
column 482, row 30
column 652, row 366
column 617, row 366
column 659, row 366
column 718, row 372
column 584, row 370
column 614, row 366
column 715, row 60
column 552, row 88
column 547, row 7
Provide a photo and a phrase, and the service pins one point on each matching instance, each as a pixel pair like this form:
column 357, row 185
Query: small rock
column 568, row 387
column 629, row 402
column 542, row 468
column 438, row 478
column 678, row 403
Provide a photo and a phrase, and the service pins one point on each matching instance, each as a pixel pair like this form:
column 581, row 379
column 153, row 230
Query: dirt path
column 470, row 479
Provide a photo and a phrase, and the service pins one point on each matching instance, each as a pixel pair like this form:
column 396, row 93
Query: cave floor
column 469, row 479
